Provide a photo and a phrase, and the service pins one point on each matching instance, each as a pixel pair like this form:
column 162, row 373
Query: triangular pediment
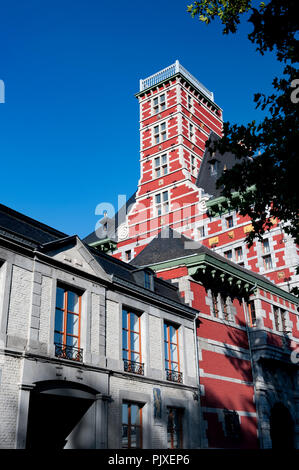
column 72, row 252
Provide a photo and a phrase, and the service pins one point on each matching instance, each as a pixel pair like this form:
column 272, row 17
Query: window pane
column 165, row 196
column 125, row 319
column 158, row 198
column 166, row 350
column 60, row 297
column 124, row 440
column 164, row 159
column 163, row 126
column 72, row 326
column 135, row 342
column 134, row 322
column 156, row 129
column 157, row 161
column 133, row 438
column 72, row 302
column 174, row 352
column 157, row 140
column 71, row 341
column 162, row 98
column 158, row 173
column 58, row 338
column 135, row 414
column 166, row 208
column 163, row 136
column 59, row 320
column 125, row 413
column 155, row 101
column 125, row 339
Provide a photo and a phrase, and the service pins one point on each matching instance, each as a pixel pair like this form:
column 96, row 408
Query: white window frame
column 160, row 167
column 163, row 205
column 161, row 134
column 158, row 105
column 239, row 260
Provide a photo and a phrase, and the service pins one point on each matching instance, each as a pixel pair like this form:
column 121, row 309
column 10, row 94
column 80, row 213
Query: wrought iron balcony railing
column 68, row 352
column 174, row 376
column 133, row 366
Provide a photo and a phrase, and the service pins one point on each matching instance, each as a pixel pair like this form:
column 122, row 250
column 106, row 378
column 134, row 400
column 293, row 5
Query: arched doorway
column 281, row 427
column 61, row 414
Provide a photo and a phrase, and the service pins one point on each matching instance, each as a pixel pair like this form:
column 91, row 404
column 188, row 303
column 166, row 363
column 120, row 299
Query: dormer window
column 214, row 168
column 147, row 280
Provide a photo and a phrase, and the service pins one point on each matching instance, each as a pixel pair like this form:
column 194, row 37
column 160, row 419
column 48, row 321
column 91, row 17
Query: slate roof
column 109, row 226
column 205, row 179
column 37, row 236
column 163, row 248
column 18, row 226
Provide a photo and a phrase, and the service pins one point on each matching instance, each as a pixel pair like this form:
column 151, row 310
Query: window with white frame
column 280, row 320
column 239, row 254
column 160, row 166
column 228, row 254
column 266, row 246
column 160, row 133
column 191, row 131
column 201, row 231
column 159, row 104
column 162, row 203
column 224, row 307
column 229, row 222
column 267, row 261
column 189, row 102
column 193, row 163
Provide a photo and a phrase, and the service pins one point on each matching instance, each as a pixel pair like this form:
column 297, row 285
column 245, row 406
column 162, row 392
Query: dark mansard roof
column 109, row 226
column 170, row 245
column 36, row 236
column 206, row 179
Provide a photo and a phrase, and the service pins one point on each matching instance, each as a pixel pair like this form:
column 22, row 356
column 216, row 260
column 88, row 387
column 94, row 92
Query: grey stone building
column 94, row 353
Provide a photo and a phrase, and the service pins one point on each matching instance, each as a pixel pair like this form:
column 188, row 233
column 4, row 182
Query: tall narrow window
column 283, row 320
column 131, row 425
column 174, row 428
column 67, row 324
column 215, row 305
column 147, row 280
column 229, row 222
column 193, row 167
column 162, row 204
column 201, row 231
column 266, row 246
column 189, row 99
column 267, row 260
column 159, row 104
column 239, row 254
column 131, row 338
column 276, row 318
column 161, row 166
column 172, row 356
column 228, row 254
column 160, row 133
column 224, row 308
column 191, row 131
column 252, row 314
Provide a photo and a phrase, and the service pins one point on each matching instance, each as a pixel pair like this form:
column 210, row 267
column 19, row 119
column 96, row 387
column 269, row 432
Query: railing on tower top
column 169, row 72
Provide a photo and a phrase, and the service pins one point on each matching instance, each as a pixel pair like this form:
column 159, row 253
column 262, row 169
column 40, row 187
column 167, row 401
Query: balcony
column 134, row 367
column 174, row 376
column 68, row 352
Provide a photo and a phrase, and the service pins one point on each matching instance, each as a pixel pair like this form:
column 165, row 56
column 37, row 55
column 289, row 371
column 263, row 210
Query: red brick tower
column 177, row 115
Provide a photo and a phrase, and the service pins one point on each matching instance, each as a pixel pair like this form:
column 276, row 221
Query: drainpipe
column 198, row 380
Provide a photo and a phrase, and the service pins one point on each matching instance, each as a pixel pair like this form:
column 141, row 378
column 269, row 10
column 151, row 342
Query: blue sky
column 69, row 125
